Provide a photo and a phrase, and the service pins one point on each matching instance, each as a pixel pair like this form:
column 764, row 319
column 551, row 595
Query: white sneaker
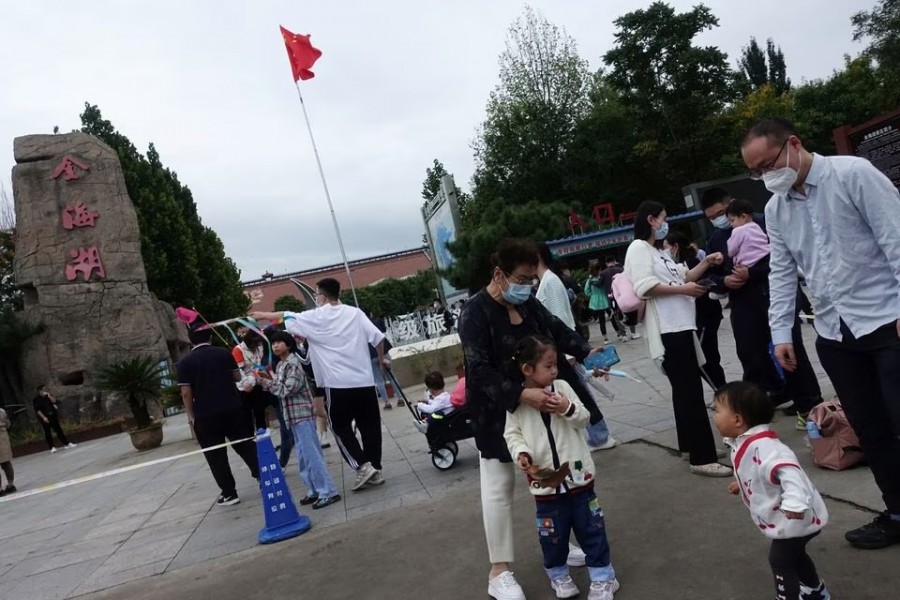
column 635, row 336
column 610, row 442
column 70, row 445
column 377, row 478
column 53, row 450
column 623, row 338
column 564, row 587
column 363, row 475
column 605, row 341
column 576, row 558
column 603, row 590
column 505, row 587
column 719, row 454
column 712, row 470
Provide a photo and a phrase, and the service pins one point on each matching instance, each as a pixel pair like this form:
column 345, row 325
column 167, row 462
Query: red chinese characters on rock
column 78, row 215
column 66, row 168
column 84, row 261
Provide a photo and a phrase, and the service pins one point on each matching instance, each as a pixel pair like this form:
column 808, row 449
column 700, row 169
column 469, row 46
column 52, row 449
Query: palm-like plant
column 139, row 380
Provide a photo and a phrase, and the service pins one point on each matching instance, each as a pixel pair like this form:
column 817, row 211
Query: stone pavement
column 670, row 530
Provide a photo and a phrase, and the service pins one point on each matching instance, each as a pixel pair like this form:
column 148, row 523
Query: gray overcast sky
column 400, row 82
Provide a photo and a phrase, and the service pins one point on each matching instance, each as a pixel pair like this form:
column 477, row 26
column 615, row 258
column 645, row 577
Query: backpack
column 837, row 448
column 623, row 292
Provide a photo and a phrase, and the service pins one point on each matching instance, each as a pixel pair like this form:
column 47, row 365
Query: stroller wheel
column 443, row 458
column 454, row 448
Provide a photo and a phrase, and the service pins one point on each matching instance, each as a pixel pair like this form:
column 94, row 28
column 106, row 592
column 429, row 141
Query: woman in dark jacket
column 493, row 322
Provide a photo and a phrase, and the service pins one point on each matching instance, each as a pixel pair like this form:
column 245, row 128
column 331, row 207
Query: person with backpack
column 612, row 269
column 598, row 301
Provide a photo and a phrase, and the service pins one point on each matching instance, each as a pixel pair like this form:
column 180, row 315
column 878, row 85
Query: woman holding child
column 495, row 320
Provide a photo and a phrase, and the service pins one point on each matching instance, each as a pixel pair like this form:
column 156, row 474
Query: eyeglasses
column 758, row 173
column 521, row 280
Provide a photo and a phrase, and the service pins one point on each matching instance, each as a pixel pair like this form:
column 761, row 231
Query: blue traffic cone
column 282, row 519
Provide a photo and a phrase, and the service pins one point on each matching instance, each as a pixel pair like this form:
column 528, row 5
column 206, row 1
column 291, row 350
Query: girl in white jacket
column 783, row 502
column 551, row 447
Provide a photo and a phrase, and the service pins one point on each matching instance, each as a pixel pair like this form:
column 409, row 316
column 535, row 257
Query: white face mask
column 780, row 181
column 721, row 222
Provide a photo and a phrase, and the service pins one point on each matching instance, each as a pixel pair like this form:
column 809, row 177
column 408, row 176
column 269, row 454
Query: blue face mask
column 517, row 293
column 663, row 231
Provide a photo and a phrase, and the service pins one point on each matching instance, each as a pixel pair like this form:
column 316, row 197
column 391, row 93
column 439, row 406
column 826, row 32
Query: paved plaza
column 156, row 532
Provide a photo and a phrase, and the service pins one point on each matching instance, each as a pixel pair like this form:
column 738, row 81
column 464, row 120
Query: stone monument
column 79, row 265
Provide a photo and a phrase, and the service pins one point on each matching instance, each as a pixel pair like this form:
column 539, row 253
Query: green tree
column 531, row 115
column 139, row 380
column 291, row 303
column 850, row 96
column 607, row 157
column 676, row 89
column 13, row 333
column 185, row 261
column 396, row 296
column 777, row 68
column 432, row 184
column 753, row 64
column 10, row 296
column 522, row 149
column 536, row 220
column 761, row 68
column 881, row 26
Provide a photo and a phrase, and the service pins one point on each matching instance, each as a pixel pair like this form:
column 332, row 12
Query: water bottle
column 812, row 430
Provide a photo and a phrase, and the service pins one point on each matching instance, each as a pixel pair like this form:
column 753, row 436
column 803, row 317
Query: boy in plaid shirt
column 289, row 384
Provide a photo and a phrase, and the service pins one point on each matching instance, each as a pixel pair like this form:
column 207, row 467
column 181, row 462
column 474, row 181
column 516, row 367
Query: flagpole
column 337, row 230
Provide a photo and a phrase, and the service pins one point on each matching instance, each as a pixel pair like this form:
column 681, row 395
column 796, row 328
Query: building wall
column 365, row 272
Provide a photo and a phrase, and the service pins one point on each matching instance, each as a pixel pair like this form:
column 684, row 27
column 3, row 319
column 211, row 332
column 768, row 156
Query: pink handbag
column 623, row 292
column 837, row 447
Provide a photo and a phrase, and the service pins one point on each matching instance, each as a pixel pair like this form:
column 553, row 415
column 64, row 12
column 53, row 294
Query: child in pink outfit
column 748, row 243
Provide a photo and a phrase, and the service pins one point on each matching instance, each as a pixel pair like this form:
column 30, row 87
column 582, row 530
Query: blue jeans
column 313, row 471
column 287, row 438
column 598, row 433
column 379, row 380
column 580, row 512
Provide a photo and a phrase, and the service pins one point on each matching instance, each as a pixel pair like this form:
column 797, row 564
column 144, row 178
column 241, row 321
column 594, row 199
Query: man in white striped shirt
column 551, row 292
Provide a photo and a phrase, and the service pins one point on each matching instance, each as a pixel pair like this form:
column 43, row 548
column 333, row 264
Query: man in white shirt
column 339, row 337
column 837, row 218
column 553, row 295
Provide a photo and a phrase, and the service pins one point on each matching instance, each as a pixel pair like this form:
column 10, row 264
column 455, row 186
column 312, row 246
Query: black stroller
column 442, row 434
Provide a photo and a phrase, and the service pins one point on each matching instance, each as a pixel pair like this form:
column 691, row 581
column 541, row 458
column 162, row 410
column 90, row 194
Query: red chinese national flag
column 301, row 53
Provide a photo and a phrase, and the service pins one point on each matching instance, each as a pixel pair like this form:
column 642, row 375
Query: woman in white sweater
column 670, row 289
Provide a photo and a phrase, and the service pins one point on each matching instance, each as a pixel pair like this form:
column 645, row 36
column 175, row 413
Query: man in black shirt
column 207, row 376
column 748, row 291
column 45, row 409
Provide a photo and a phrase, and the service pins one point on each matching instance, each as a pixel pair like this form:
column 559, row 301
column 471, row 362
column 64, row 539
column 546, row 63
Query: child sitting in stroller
column 437, row 402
